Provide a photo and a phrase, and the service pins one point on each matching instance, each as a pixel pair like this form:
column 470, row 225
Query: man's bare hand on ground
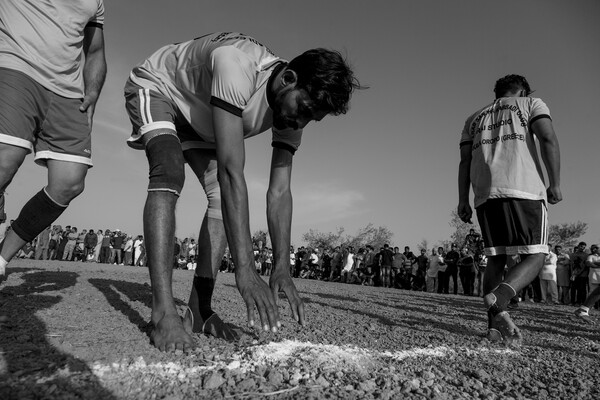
column 256, row 292
column 281, row 281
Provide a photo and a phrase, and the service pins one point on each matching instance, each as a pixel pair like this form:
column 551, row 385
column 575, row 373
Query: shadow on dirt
column 30, row 366
column 113, row 291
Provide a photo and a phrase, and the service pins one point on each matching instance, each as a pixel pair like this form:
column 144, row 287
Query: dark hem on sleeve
column 465, row 143
column 95, row 25
column 539, row 117
column 284, row 146
column 215, row 101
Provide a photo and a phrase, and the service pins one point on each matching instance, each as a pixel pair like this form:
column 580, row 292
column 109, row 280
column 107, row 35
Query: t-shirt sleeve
column 233, row 79
column 97, row 20
column 288, row 139
column 465, row 137
column 539, row 109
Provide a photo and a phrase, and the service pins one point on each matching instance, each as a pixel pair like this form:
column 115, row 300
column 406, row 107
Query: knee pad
column 166, row 163
column 213, row 194
column 38, row 213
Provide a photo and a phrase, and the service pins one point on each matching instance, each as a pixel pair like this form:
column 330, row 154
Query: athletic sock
column 503, row 293
column 204, row 290
column 3, row 264
column 584, row 309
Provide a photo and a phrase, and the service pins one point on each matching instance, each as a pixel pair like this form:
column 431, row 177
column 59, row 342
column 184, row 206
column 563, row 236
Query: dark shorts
column 513, row 226
column 34, row 118
column 150, row 111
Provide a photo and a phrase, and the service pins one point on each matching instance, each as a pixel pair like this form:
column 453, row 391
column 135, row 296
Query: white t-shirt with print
column 227, row 70
column 505, row 162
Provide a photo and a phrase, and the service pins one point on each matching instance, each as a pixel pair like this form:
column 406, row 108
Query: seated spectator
column 182, row 262
column 191, row 265
column 27, row 251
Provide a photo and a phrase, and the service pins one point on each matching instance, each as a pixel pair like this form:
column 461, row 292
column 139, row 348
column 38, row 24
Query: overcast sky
column 393, row 159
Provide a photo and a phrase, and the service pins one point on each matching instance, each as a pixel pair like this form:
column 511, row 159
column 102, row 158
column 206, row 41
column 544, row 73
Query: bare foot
column 509, row 331
column 169, row 335
column 213, row 326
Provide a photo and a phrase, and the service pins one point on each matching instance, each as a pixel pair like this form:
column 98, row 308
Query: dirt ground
column 74, row 330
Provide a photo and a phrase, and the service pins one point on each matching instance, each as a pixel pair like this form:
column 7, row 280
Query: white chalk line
column 325, row 356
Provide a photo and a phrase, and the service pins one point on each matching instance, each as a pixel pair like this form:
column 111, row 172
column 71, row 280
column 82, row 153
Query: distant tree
column 375, row 236
column 423, row 245
column 316, row 239
column 461, row 229
column 567, row 235
column 445, row 244
column 260, row 236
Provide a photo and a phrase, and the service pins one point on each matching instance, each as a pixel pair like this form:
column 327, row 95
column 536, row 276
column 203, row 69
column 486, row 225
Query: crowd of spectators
column 566, row 277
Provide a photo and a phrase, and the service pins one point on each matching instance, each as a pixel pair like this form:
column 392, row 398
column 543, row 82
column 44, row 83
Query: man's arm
column 94, row 70
column 234, row 202
column 464, row 181
column 550, row 151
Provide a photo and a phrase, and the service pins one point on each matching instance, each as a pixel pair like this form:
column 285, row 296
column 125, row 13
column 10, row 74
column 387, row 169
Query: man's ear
column 289, row 77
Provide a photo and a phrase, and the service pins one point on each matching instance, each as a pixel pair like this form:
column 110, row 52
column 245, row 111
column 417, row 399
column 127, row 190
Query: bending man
column 196, row 102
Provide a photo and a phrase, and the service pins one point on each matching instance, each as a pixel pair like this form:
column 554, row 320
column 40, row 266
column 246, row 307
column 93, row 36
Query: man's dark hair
column 511, row 84
column 327, row 78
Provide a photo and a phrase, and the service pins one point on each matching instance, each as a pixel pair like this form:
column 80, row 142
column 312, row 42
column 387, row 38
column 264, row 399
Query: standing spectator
column 300, row 261
column 105, row 247
column 336, row 264
column 411, row 260
column 563, row 274
column 419, row 282
column 192, row 249
column 176, row 251
column 116, row 244
column 78, row 251
column 54, row 240
column 63, row 240
column 472, row 240
column 292, row 260
column 89, row 243
column 593, row 299
column 43, row 242
column 548, row 278
column 348, row 260
column 71, row 243
column 3, row 224
column 268, row 261
column 128, row 251
column 433, row 267
column 99, row 239
column 579, row 275
column 386, row 260
column 398, row 273
column 466, row 268
column 326, row 264
column 452, row 267
column 443, row 280
column 185, row 248
column 593, row 263
column 138, row 251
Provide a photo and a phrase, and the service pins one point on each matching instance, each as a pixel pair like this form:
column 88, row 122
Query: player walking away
column 49, row 93
column 196, row 102
column 499, row 158
column 593, row 263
